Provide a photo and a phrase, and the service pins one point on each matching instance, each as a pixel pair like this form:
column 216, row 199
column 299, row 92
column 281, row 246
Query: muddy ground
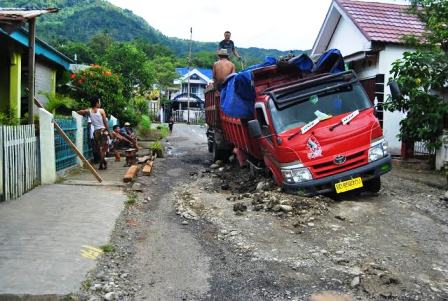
column 203, row 231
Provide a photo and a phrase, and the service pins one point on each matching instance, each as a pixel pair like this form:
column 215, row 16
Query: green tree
column 204, row 59
column 84, row 54
column 153, row 50
column 99, row 82
column 134, row 66
column 164, row 70
column 99, row 43
column 423, row 77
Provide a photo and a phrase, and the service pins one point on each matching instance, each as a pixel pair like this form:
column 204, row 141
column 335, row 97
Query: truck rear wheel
column 373, row 185
column 218, row 154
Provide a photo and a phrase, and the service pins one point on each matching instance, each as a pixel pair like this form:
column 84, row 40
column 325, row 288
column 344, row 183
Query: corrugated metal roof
column 18, row 15
column 383, row 22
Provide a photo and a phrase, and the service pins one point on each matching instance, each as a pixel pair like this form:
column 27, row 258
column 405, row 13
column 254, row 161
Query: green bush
column 144, row 126
column 60, row 104
column 9, row 118
column 164, row 131
column 140, row 105
column 157, row 149
column 98, row 82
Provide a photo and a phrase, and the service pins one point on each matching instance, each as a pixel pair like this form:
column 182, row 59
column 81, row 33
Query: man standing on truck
column 228, row 45
column 222, row 68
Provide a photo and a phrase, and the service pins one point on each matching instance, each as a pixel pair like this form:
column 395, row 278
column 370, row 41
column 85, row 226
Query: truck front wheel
column 373, row 185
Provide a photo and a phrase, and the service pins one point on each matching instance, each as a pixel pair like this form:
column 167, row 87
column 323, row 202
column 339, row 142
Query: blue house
column 199, row 78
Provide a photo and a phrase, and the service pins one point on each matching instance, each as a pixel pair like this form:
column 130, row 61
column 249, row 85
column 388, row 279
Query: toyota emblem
column 339, row 159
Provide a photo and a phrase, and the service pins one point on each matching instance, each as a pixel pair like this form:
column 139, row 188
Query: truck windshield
column 325, row 105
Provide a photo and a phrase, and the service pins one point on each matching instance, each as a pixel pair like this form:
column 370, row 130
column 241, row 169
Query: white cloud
column 280, row 24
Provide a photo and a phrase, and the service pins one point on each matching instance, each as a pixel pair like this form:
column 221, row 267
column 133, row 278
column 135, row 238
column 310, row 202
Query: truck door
column 267, row 140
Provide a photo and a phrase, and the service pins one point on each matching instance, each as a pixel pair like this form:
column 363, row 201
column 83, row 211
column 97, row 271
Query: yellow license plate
column 348, row 185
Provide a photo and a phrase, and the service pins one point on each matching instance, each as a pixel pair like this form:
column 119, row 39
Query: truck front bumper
column 325, row 185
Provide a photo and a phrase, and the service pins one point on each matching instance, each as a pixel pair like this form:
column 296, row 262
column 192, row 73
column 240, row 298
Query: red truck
column 316, row 133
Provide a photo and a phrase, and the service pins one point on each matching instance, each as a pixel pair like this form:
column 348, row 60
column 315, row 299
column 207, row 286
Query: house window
column 194, row 89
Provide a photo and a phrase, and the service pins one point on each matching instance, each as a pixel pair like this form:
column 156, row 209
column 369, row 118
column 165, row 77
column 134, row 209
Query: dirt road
column 216, row 233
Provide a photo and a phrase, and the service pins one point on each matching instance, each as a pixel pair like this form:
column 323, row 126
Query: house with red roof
column 370, row 37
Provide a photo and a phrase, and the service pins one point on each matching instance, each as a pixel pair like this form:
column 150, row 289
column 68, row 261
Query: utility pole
column 189, row 70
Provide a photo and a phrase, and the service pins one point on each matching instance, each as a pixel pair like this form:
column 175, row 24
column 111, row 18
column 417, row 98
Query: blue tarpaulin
column 238, row 92
column 330, row 62
column 303, row 63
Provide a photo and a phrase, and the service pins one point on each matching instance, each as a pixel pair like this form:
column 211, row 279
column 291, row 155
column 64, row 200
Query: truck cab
column 320, row 135
column 316, row 133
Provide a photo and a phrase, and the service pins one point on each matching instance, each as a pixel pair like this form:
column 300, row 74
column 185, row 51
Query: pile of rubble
column 257, row 193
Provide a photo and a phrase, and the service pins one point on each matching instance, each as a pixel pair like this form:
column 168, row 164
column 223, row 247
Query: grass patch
column 132, row 199
column 157, row 148
column 164, row 131
column 86, row 284
column 108, row 248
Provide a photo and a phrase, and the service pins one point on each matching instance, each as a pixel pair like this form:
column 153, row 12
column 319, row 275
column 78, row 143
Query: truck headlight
column 378, row 150
column 297, row 175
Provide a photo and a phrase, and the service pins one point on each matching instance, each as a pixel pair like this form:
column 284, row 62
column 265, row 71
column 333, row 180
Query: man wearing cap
column 228, row 45
column 127, row 132
column 222, row 68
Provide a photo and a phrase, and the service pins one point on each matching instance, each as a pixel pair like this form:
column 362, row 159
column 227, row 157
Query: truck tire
column 373, row 185
column 218, row 154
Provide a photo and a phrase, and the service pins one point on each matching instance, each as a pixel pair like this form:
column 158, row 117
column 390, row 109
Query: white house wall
column 348, row 38
column 391, row 123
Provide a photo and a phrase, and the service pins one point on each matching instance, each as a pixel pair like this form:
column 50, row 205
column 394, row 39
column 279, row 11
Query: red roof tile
column 383, row 22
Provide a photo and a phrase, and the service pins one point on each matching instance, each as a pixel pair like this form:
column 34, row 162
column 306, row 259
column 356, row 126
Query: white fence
column 196, row 116
column 19, row 160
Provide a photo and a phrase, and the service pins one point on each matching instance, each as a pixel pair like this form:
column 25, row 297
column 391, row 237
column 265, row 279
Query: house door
column 374, row 87
column 369, row 85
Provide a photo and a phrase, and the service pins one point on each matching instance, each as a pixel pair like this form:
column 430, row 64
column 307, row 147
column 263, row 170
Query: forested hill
column 80, row 20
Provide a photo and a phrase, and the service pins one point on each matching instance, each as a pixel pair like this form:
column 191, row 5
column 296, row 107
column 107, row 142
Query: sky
column 278, row 24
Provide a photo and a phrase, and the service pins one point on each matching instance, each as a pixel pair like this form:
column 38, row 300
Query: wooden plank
column 147, row 168
column 130, row 173
column 143, row 159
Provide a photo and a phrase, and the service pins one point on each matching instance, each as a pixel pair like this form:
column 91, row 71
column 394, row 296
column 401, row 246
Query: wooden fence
column 19, row 160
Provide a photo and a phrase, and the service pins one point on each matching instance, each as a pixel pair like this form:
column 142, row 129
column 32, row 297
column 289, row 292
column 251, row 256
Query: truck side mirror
column 254, row 128
column 395, row 90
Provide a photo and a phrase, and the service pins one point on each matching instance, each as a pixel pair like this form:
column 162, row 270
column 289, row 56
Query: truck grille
column 329, row 168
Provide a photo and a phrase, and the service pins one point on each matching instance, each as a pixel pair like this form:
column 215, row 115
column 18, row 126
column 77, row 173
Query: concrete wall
column 348, row 39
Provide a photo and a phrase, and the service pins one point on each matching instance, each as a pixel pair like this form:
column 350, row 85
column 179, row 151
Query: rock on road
column 209, row 235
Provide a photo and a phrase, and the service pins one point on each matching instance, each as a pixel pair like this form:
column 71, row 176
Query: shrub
column 9, row 118
column 144, row 127
column 140, row 105
column 58, row 103
column 157, row 149
column 164, row 131
column 98, row 82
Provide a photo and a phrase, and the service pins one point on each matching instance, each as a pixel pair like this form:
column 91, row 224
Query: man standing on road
column 228, row 45
column 222, row 68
